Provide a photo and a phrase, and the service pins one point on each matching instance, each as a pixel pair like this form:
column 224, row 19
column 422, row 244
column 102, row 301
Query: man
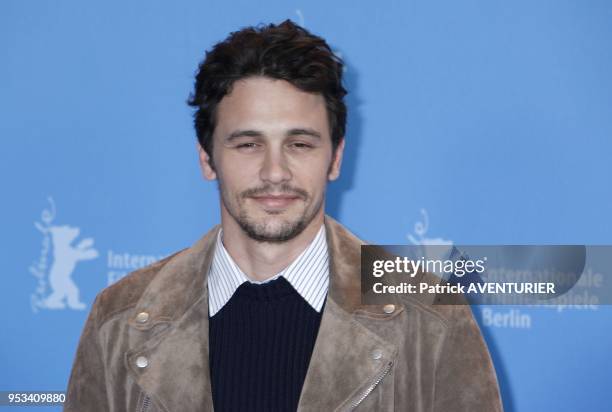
column 264, row 312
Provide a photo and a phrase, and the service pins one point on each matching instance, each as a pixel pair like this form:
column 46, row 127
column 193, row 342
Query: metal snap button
column 142, row 362
column 377, row 354
column 389, row 308
column 142, row 317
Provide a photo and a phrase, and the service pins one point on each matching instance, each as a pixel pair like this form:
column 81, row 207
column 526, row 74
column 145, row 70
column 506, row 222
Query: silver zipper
column 370, row 388
column 145, row 403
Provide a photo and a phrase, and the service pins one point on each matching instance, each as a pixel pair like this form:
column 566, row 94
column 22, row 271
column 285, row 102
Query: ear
column 208, row 171
column 334, row 170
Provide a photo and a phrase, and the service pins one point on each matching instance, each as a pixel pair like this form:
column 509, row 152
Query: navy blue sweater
column 261, row 342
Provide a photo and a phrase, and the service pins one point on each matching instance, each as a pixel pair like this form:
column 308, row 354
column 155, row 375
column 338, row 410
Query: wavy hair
column 285, row 51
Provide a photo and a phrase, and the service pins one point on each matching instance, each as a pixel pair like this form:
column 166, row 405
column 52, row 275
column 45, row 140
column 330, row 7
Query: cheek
column 314, row 176
column 237, row 177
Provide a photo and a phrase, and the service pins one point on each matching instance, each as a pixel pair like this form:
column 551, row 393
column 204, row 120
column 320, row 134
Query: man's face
column 272, row 156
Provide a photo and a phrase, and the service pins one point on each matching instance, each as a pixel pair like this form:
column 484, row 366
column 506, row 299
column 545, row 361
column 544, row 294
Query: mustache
column 284, row 189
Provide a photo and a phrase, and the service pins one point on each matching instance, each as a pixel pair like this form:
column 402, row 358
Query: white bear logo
column 65, row 257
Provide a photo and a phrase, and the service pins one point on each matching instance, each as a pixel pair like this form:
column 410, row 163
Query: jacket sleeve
column 87, row 384
column 465, row 377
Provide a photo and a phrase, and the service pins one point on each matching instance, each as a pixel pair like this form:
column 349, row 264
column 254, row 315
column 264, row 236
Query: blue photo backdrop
column 472, row 122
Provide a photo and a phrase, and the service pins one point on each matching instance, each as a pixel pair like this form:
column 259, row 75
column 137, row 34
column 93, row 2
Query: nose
column 275, row 168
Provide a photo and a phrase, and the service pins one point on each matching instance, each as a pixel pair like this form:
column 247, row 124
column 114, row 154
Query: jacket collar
column 177, row 374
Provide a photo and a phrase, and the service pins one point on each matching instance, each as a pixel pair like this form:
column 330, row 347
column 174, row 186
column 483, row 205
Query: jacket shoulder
column 447, row 316
column 126, row 292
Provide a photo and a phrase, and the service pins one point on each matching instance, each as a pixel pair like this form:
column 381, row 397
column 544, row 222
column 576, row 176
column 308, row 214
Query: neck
column 262, row 260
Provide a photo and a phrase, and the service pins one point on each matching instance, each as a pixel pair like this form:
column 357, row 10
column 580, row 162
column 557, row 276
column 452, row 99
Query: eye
column 301, row 145
column 247, row 146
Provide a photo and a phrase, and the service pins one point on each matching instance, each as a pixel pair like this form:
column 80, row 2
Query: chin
column 277, row 223
column 274, row 226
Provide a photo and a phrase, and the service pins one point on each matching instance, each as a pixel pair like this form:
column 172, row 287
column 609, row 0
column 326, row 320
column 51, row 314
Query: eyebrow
column 256, row 133
column 304, row 132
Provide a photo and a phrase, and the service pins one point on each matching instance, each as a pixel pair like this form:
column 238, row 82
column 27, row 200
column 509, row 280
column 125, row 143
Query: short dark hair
column 285, row 51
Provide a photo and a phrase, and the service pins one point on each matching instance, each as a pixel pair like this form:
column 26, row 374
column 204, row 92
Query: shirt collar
column 308, row 274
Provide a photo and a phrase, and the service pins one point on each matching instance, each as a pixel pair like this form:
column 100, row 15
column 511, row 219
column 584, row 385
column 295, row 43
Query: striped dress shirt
column 308, row 274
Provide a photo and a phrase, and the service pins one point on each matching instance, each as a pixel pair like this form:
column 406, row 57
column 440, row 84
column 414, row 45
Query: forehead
column 270, row 105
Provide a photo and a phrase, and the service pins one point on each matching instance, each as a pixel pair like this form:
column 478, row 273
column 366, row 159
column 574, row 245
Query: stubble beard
column 261, row 230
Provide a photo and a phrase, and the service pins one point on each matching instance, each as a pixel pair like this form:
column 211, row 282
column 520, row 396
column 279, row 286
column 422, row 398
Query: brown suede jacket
column 144, row 346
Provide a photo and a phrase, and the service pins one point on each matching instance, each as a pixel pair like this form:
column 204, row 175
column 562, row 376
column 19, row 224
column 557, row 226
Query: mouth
column 275, row 201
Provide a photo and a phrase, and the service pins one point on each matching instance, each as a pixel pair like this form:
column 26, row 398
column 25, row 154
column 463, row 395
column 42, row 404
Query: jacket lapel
column 347, row 356
column 177, row 374
column 344, row 362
